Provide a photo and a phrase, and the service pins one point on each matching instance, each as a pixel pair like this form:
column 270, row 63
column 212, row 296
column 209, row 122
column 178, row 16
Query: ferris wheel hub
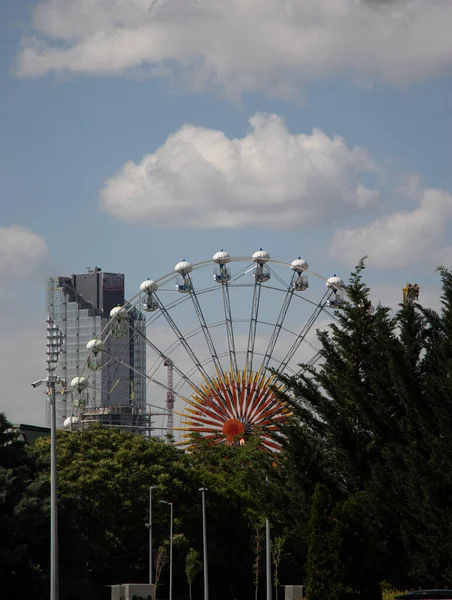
column 232, row 429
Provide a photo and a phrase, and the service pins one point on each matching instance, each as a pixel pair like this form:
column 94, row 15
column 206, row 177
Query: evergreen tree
column 323, row 569
column 23, row 523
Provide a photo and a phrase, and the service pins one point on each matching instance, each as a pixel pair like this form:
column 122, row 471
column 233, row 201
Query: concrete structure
column 133, row 591
column 78, row 309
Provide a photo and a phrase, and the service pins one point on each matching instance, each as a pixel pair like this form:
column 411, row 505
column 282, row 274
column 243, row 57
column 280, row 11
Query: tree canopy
column 359, row 494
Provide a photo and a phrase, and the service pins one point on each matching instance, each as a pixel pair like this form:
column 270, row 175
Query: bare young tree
column 257, row 528
column 193, row 566
column 277, row 554
column 161, row 560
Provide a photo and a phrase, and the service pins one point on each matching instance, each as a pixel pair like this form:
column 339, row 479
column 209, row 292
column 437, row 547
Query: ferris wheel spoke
column 213, row 398
column 205, row 329
column 223, row 276
column 279, row 324
column 271, row 445
column 183, row 341
column 229, row 328
column 112, row 394
column 304, row 332
column 253, row 326
column 163, row 356
column 196, row 416
column 271, row 410
column 229, row 395
column 255, row 394
column 261, row 404
column 258, row 403
column 207, row 409
column 156, row 381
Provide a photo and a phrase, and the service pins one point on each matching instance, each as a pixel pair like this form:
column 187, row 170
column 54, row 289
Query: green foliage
column 323, row 569
column 277, row 548
column 376, row 416
column 359, row 495
column 23, row 516
column 389, row 593
column 193, row 566
column 108, row 473
column 258, row 542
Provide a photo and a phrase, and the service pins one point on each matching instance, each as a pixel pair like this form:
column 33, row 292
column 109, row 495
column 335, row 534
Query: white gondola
column 262, row 272
column 80, row 394
column 184, row 285
column 149, row 302
column 95, row 348
column 120, row 323
column 300, row 283
column 336, row 284
column 221, row 273
column 183, row 282
column 71, row 423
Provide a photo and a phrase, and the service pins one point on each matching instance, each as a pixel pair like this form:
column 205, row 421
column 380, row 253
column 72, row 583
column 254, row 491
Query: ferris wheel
column 203, row 346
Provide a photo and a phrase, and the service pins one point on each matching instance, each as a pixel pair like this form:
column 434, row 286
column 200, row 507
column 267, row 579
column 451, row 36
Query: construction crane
column 169, row 396
column 411, row 292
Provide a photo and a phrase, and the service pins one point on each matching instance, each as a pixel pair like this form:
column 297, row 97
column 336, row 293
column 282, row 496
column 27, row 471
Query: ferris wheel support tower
column 169, row 395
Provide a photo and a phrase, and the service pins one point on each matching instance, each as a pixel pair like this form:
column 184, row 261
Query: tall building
column 78, row 308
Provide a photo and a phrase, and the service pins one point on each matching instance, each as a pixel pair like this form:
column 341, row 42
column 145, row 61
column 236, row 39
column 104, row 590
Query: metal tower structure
column 411, row 292
column 170, row 395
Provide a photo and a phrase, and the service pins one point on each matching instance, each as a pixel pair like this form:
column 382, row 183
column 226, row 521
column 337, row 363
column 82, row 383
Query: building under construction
column 78, row 308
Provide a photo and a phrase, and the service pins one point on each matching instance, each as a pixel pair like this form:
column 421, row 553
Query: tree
column 258, row 534
column 161, row 561
column 105, row 475
column 373, row 421
column 104, row 478
column 193, row 567
column 24, row 523
column 323, row 563
column 277, row 553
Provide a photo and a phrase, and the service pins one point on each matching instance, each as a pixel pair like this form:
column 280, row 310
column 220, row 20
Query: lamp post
column 51, row 381
column 55, row 340
column 151, row 487
column 268, row 561
column 204, row 543
column 171, row 549
column 268, row 555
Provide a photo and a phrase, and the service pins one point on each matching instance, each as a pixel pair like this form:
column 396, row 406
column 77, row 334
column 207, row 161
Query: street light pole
column 55, row 340
column 151, row 487
column 268, row 559
column 204, row 543
column 171, row 549
column 51, row 381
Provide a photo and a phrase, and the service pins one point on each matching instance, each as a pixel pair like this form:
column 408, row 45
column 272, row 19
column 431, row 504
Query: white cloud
column 242, row 45
column 21, row 252
column 270, row 178
column 403, row 238
column 22, row 360
column 23, row 257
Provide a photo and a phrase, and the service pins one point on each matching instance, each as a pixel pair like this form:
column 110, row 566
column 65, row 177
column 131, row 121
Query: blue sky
column 87, row 87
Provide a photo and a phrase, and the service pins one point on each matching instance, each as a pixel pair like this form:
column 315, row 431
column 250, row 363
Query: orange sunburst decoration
column 230, row 408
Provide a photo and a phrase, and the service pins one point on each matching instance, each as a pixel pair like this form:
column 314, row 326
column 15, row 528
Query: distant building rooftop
column 30, row 433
